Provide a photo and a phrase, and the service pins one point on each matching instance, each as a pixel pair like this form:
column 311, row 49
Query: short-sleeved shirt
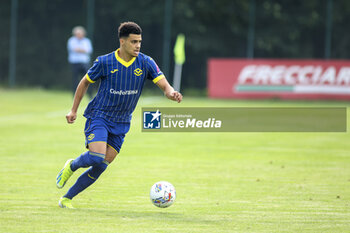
column 77, row 57
column 121, row 85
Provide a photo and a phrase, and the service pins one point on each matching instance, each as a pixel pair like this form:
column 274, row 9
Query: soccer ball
column 162, row 194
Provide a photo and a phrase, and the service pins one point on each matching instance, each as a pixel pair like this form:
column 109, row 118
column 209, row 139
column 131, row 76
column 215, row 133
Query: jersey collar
column 124, row 63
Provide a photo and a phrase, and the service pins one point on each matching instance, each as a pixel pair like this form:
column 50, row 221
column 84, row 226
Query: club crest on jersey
column 138, row 72
column 91, row 136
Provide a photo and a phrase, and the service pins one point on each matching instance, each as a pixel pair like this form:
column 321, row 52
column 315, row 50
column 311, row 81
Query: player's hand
column 174, row 95
column 71, row 116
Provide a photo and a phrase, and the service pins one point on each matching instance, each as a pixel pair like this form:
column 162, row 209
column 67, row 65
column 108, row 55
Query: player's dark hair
column 127, row 28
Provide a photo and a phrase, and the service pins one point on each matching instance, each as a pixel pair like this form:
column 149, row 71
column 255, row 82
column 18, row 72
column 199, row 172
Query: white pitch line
column 53, row 114
column 62, row 113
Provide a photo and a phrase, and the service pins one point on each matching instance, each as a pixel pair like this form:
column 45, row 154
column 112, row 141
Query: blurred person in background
column 79, row 51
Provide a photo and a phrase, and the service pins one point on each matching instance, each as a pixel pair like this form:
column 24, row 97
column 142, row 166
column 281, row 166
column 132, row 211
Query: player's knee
column 111, row 154
column 110, row 159
column 96, row 158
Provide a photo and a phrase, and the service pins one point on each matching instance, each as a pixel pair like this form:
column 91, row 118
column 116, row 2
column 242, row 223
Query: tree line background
column 220, row 28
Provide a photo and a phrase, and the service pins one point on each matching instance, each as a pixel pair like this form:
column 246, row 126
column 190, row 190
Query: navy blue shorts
column 100, row 130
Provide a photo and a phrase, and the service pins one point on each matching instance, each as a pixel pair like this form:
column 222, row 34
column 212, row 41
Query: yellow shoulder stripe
column 158, row 78
column 89, row 79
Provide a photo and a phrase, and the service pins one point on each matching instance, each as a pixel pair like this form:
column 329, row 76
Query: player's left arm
column 169, row 91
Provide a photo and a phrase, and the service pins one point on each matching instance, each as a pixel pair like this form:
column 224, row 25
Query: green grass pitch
column 225, row 182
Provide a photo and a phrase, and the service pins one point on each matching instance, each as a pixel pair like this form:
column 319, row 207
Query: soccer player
column 122, row 74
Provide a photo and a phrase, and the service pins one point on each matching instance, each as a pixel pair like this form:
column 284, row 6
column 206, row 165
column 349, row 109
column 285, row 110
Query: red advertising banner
column 285, row 79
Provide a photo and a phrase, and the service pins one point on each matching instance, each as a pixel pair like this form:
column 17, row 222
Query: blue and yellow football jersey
column 121, row 85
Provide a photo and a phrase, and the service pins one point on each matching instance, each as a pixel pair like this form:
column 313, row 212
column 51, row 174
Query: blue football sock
column 87, row 159
column 86, row 179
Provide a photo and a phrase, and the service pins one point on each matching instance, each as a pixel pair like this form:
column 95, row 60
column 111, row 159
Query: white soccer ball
column 162, row 194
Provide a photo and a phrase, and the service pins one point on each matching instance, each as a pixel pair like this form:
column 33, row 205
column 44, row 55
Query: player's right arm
column 79, row 94
column 94, row 73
